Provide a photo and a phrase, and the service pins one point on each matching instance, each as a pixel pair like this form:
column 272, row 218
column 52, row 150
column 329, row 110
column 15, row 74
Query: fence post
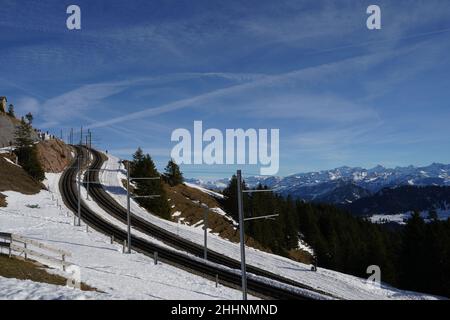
column 112, row 239
column 155, row 257
column 87, row 229
column 217, row 280
column 49, row 255
column 124, row 246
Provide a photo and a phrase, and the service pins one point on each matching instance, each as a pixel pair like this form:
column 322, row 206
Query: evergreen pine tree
column 173, row 174
column 138, row 156
column 432, row 215
column 26, row 151
column 259, row 204
column 23, row 134
column 230, row 201
column 28, row 160
column 413, row 259
column 11, row 111
column 144, row 167
column 290, row 223
column 29, row 117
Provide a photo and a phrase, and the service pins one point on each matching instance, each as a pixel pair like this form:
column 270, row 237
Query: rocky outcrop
column 54, row 155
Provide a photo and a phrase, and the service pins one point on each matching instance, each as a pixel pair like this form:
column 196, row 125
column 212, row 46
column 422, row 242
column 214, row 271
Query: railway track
column 232, row 278
column 107, row 203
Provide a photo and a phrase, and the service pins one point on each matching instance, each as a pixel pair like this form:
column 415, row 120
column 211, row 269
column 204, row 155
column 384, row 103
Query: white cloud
column 75, row 103
column 69, row 105
column 153, row 152
column 310, row 74
column 27, row 104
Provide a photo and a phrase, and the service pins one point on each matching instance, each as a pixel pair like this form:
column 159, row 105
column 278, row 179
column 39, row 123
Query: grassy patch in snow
column 185, row 200
column 29, row 270
column 14, row 178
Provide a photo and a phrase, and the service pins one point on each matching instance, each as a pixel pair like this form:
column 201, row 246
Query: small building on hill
column 3, row 102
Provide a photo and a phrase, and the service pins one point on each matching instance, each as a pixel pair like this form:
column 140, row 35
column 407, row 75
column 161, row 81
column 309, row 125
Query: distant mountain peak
column 346, row 184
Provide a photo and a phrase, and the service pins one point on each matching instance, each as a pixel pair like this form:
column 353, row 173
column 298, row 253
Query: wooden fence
column 19, row 245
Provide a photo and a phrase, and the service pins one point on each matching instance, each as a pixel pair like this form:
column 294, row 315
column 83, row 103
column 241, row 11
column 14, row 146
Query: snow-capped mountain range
column 345, row 184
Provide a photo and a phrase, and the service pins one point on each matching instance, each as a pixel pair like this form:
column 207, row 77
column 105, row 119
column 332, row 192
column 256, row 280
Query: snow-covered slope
column 338, row 284
column 103, row 266
column 14, row 289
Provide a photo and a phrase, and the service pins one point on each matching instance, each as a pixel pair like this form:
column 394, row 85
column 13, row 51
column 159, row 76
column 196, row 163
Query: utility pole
column 90, row 138
column 87, row 182
column 79, row 192
column 242, row 234
column 241, row 227
column 128, row 208
column 81, row 136
column 205, row 228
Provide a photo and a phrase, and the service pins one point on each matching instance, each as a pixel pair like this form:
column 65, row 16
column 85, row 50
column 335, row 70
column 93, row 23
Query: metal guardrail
column 21, row 245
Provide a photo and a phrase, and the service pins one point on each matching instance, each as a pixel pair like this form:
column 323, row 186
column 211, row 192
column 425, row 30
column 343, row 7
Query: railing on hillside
column 19, row 245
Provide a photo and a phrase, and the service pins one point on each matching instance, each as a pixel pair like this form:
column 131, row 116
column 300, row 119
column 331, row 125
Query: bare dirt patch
column 30, row 270
column 300, row 256
column 14, row 178
column 10, row 155
column 186, row 200
column 54, row 155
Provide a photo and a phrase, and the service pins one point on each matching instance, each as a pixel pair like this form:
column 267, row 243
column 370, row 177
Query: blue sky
column 339, row 93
